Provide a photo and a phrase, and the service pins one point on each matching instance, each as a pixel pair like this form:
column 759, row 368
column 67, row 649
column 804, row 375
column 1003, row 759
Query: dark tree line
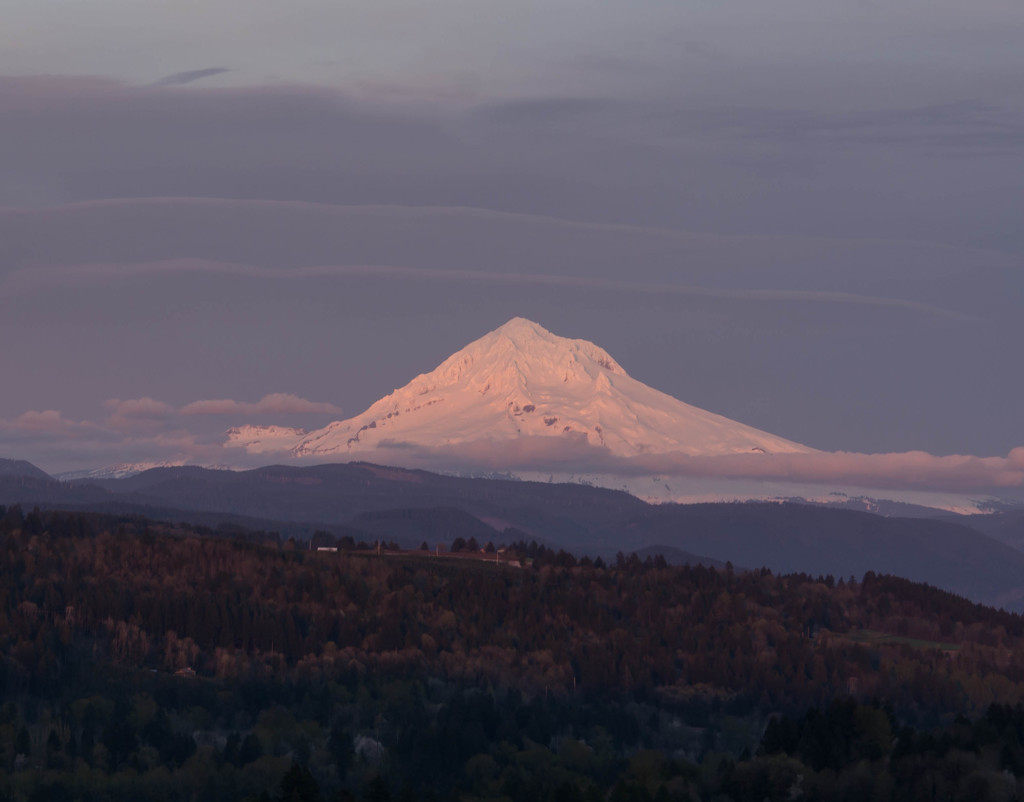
column 138, row 657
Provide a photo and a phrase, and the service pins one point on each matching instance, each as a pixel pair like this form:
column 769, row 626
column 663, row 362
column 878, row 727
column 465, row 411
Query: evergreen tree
column 377, row 791
column 298, row 785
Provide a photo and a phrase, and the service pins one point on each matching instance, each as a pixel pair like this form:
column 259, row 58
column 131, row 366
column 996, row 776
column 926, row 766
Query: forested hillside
column 145, row 660
column 406, row 506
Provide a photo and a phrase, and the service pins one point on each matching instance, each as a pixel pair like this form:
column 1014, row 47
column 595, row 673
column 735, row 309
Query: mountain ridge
column 23, row 469
column 414, row 505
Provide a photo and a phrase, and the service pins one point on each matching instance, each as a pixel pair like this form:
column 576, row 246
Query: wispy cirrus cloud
column 442, row 218
column 189, row 76
column 39, row 278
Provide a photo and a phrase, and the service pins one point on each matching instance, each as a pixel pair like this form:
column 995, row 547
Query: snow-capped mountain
column 123, row 470
column 521, row 380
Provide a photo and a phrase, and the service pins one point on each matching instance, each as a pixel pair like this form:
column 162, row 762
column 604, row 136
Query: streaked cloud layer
column 802, row 216
column 840, row 343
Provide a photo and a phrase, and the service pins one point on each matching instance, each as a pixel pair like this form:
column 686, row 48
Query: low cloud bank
column 141, row 429
column 908, row 470
column 45, row 423
column 145, row 428
column 912, row 470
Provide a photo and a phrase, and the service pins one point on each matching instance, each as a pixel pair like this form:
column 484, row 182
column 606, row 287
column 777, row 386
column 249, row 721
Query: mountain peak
column 20, row 468
column 525, row 333
column 521, row 380
column 517, row 352
column 521, row 326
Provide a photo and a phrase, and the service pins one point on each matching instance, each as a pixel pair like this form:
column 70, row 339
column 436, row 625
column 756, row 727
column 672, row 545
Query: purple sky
column 803, row 218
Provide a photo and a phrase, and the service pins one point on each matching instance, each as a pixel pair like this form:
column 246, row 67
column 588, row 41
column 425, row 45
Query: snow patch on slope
column 121, row 470
column 265, row 439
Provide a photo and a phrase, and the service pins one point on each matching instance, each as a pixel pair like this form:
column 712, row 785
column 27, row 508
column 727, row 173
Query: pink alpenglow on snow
column 521, row 399
column 521, row 381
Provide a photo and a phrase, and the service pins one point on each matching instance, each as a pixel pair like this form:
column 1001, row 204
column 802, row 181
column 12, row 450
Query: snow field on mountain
column 521, row 380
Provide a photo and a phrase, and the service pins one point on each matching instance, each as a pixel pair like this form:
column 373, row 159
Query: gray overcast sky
column 804, row 216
